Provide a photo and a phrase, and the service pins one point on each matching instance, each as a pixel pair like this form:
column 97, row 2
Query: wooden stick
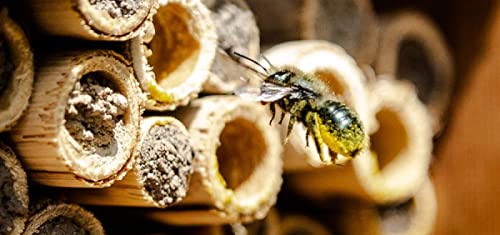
column 13, row 193
column 299, row 224
column 339, row 71
column 349, row 23
column 63, row 219
column 399, row 155
column 236, row 29
column 16, row 71
column 413, row 48
column 82, row 123
column 160, row 176
column 173, row 60
column 92, row 20
column 231, row 182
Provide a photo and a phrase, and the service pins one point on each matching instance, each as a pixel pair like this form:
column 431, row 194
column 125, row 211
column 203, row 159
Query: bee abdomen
column 338, row 114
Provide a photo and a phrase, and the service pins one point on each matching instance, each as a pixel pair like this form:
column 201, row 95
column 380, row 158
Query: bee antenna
column 251, row 60
column 268, row 62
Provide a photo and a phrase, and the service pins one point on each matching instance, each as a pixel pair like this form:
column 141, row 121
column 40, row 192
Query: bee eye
column 281, row 76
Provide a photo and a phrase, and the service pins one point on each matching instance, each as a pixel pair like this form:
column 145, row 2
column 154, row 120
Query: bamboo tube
column 267, row 226
column 82, row 123
column 91, row 19
column 16, row 71
column 161, row 173
column 399, row 158
column 238, row 167
column 13, row 193
column 413, row 217
column 339, row 71
column 349, row 23
column 63, row 219
column 299, row 224
column 236, row 29
column 172, row 61
column 412, row 48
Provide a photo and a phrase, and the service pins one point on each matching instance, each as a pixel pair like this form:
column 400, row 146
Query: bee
column 308, row 100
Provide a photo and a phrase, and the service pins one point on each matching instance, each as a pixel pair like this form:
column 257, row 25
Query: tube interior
column 175, row 48
column 61, row 225
column 391, row 137
column 331, row 81
column 165, row 164
column 11, row 207
column 95, row 114
column 397, row 219
column 6, row 69
column 241, row 150
column 414, row 65
column 118, row 8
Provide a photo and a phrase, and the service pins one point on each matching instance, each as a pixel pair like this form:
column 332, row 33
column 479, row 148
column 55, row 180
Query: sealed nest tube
column 62, row 218
column 16, row 71
column 13, row 193
column 161, row 173
column 172, row 61
column 109, row 20
column 231, row 182
column 82, row 123
column 398, row 158
column 340, row 76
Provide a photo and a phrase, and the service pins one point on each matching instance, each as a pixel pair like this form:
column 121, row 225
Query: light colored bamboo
column 16, row 71
column 172, row 60
column 339, row 71
column 63, row 219
column 92, row 20
column 238, row 167
column 399, row 155
column 237, row 30
column 413, row 48
column 299, row 224
column 349, row 23
column 160, row 177
column 51, row 153
column 13, row 193
column 413, row 217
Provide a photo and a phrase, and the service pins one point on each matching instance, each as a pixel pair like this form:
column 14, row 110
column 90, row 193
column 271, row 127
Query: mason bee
column 308, row 100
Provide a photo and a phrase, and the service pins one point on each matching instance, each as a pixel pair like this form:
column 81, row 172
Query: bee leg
column 282, row 117
column 307, row 138
column 273, row 112
column 291, row 123
column 313, row 125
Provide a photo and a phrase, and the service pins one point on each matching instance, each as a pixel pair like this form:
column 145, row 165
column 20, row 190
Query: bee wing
column 268, row 92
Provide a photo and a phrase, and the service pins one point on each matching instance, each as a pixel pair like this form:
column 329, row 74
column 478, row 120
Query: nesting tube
column 172, row 60
column 415, row 216
column 339, row 72
column 13, row 193
column 349, row 23
column 82, row 123
column 237, row 170
column 16, row 71
column 236, row 30
column 299, row 224
column 63, row 218
column 399, row 155
column 413, row 48
column 160, row 177
column 91, row 19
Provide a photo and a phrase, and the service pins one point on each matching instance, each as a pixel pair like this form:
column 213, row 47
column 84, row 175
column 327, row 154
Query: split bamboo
column 237, row 171
column 16, row 71
column 173, row 57
column 82, row 123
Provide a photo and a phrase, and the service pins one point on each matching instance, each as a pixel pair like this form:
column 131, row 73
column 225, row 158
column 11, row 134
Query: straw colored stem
column 413, row 48
column 331, row 64
column 82, row 123
column 398, row 159
column 161, row 173
column 236, row 30
column 232, row 181
column 63, row 219
column 16, row 71
column 13, row 194
column 172, row 61
column 92, row 20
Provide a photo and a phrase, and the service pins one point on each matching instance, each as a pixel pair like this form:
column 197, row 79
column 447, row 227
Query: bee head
column 281, row 77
